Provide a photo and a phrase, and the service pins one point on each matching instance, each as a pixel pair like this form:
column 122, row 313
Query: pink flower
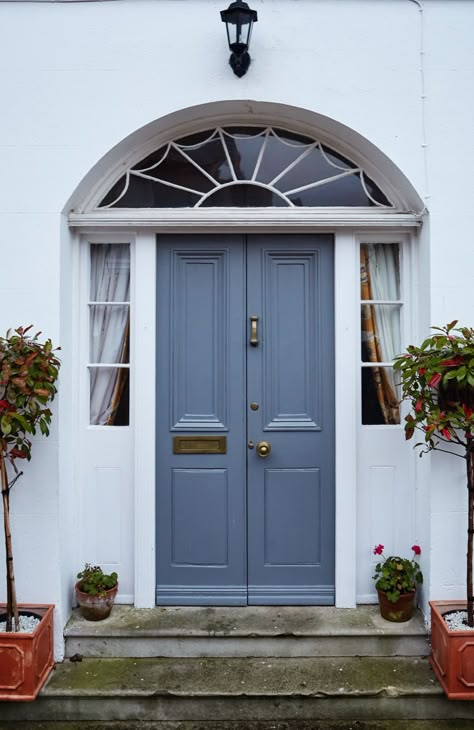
column 416, row 549
column 378, row 550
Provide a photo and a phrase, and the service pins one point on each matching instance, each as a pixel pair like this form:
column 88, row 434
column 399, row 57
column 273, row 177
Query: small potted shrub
column 95, row 592
column 438, row 381
column 28, row 373
column 396, row 583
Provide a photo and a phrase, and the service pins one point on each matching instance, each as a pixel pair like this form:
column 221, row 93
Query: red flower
column 455, row 361
column 467, row 411
column 17, row 454
column 421, row 371
column 434, row 380
column 419, row 404
column 446, row 433
column 378, row 550
column 416, row 549
column 4, row 406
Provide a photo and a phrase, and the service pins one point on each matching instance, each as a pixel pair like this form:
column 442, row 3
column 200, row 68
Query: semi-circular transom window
column 244, row 167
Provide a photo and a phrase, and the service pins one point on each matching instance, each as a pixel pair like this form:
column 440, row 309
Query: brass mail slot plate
column 200, row 445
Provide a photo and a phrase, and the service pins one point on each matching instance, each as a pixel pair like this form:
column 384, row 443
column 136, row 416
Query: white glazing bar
column 294, row 163
column 195, row 164
column 228, row 157
column 165, row 182
column 260, row 155
column 317, row 184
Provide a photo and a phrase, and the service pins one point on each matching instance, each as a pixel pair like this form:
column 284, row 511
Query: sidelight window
column 109, row 334
column 381, row 306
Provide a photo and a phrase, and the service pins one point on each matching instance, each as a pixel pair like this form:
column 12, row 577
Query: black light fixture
column 239, row 19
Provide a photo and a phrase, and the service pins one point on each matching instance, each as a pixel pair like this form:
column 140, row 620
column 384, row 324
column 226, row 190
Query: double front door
column 245, row 420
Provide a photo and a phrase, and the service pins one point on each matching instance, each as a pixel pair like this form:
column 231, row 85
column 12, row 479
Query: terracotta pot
column 95, row 608
column 26, row 659
column 400, row 611
column 452, row 652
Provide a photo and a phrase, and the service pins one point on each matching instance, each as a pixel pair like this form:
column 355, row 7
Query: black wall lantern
column 239, row 19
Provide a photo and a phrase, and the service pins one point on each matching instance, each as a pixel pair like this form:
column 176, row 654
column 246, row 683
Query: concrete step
column 227, row 690
column 245, row 725
column 260, row 631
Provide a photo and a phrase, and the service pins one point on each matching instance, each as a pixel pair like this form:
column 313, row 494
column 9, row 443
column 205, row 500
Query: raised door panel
column 291, row 376
column 201, row 517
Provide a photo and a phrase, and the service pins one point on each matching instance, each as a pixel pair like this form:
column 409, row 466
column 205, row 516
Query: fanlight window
column 244, row 167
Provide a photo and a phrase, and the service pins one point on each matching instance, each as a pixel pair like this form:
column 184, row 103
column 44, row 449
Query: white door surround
column 140, row 227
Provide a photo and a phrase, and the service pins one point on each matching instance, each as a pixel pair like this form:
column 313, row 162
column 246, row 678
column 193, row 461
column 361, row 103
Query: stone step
column 246, row 725
column 244, row 689
column 260, row 631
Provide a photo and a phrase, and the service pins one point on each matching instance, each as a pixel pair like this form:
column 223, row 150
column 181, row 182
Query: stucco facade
column 87, row 84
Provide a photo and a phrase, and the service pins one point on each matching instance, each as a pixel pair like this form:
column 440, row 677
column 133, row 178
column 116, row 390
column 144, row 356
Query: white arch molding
column 140, row 226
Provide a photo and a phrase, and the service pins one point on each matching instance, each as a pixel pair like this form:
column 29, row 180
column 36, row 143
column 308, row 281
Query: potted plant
column 28, row 373
column 438, row 381
column 95, row 592
column 396, row 582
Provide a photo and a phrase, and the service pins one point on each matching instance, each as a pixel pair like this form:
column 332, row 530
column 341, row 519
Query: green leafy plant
column 94, row 581
column 438, row 380
column 28, row 373
column 397, row 576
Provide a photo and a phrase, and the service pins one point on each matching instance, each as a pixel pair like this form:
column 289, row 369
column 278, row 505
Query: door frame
column 142, row 237
column 346, row 321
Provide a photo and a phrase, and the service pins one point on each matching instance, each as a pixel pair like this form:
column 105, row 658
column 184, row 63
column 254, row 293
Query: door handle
column 254, row 330
column 263, row 449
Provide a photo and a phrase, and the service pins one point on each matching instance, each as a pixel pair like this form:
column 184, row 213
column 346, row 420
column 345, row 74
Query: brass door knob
column 263, row 449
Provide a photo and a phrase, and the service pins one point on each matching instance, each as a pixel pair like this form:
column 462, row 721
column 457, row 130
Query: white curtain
column 380, row 281
column 109, row 325
column 385, row 284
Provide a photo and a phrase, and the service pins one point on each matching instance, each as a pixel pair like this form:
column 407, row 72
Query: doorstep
column 244, row 689
column 258, row 631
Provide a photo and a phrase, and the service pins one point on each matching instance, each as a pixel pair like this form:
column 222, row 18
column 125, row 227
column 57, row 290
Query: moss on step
column 237, row 676
column 267, row 725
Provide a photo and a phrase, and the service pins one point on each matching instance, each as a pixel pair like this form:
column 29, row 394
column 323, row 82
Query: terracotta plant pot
column 400, row 611
column 26, row 659
column 452, row 652
column 95, row 608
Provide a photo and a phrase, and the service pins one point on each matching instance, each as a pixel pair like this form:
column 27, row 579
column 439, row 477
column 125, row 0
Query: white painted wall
column 77, row 78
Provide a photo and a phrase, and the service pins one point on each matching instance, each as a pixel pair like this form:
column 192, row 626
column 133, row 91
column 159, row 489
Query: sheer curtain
column 381, row 322
column 109, row 328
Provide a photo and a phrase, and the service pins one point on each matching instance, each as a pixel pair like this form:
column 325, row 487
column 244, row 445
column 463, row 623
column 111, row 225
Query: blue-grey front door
column 245, row 420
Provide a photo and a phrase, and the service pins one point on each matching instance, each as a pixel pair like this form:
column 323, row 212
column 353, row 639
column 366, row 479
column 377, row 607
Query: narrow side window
column 109, row 334
column 380, row 331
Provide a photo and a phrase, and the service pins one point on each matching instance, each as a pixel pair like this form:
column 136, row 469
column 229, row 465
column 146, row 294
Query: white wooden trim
column 143, row 404
column 211, row 219
column 346, row 319
column 143, row 363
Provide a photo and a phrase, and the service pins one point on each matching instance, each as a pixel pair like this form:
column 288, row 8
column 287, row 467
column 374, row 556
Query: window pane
column 380, row 271
column 233, row 152
column 109, row 397
column 177, row 169
column 380, row 396
column 244, row 196
column 109, row 333
column 380, row 332
column 110, row 272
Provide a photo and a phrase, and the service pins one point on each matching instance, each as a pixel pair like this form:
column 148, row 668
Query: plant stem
column 470, row 527
column 12, row 606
